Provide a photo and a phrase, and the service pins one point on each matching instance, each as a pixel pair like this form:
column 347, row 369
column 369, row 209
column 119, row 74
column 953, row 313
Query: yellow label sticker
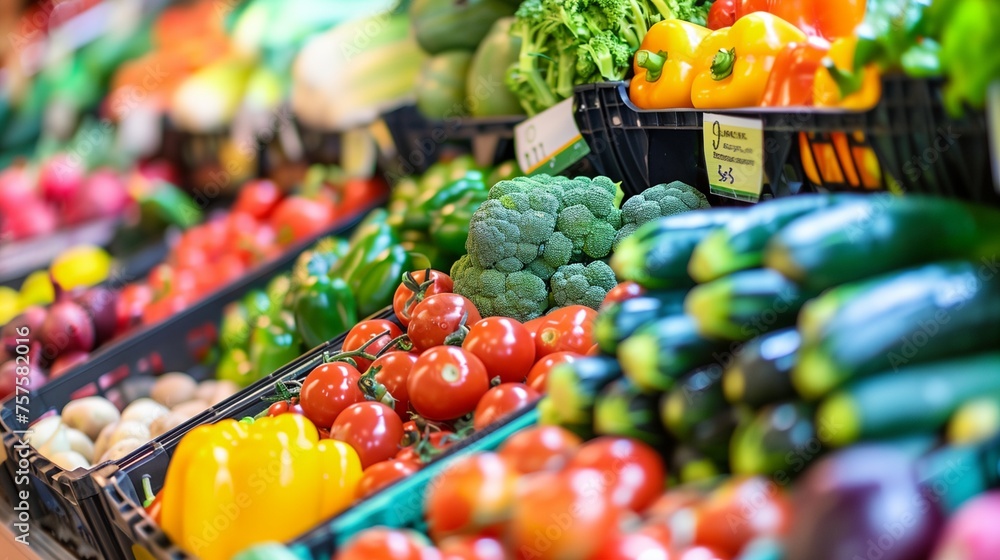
column 734, row 156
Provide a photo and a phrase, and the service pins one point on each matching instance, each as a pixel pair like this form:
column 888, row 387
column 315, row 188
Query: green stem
column 147, row 490
column 458, row 337
column 401, row 342
column 722, row 64
column 652, row 62
column 847, row 82
column 358, row 353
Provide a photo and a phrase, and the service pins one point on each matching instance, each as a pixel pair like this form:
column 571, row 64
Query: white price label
column 734, row 156
column 550, row 141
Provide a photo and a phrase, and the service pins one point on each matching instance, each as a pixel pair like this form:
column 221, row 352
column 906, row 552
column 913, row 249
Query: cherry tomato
column 394, row 370
column 253, row 245
column 328, row 390
column 132, row 300
column 722, row 14
column 226, row 270
column 446, row 383
column 532, row 328
column 504, row 346
column 167, row 279
column 540, row 448
column 562, row 515
column 634, row 546
column 439, row 316
column 428, row 447
column 569, row 329
column 371, row 428
column 678, row 499
column 382, row 543
column 748, row 508
column 633, row 470
column 501, row 401
column 257, row 198
column 297, row 218
column 472, row 547
column 476, row 492
column 404, row 300
column 165, row 307
column 367, row 330
column 622, row 292
column 360, row 194
column 539, row 373
column 278, row 408
column 382, row 474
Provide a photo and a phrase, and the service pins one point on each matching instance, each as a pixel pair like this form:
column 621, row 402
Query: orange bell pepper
column 664, row 65
column 837, row 84
column 830, row 19
column 794, row 72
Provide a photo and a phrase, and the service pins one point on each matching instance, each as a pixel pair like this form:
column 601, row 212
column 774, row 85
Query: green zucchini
column 656, row 256
column 619, row 320
column 623, row 410
column 573, row 387
column 915, row 399
column 779, row 441
column 761, row 372
column 934, row 312
column 739, row 245
column 856, row 241
column 745, row 304
column 975, row 421
column 661, row 352
column 975, row 464
column 690, row 465
column 713, row 435
column 695, row 398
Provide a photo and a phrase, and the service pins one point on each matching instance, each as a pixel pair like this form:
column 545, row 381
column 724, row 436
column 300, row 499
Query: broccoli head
column 579, row 284
column 591, row 236
column 520, row 295
column 656, row 202
column 507, row 232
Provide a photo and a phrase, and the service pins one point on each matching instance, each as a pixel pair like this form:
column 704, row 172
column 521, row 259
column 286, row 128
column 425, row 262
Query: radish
column 60, row 178
column 16, row 187
column 103, row 195
column 972, row 533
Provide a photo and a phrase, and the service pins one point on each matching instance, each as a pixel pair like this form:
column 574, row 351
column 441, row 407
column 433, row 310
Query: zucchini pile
column 768, row 335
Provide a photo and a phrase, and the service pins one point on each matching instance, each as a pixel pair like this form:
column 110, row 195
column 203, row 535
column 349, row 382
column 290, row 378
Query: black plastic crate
column 65, row 503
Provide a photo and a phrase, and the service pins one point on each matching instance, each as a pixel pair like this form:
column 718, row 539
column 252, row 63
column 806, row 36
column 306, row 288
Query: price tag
column 734, row 156
column 993, row 116
column 550, row 141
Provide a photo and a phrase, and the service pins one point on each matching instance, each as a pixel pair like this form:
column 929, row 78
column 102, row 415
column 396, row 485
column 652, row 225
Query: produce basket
column 907, row 140
column 65, row 503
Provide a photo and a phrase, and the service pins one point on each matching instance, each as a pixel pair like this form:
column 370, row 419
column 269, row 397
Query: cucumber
column 761, row 371
column 857, row 241
column 746, row 304
column 977, row 465
column 661, row 352
column 695, row 398
column 573, row 388
column 739, row 245
column 975, row 421
column 656, row 256
column 619, row 320
column 690, row 465
column 779, row 441
column 915, row 399
column 623, row 410
column 934, row 312
column 712, row 436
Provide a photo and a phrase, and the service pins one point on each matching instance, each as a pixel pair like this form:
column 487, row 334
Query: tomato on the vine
column 532, row 328
column 165, row 307
column 415, row 288
column 371, row 428
column 634, row 470
column 502, row 400
column 429, row 446
column 446, row 383
column 474, row 493
column 278, row 408
column 382, row 474
column 441, row 319
column 471, row 547
column 257, row 198
column 365, row 331
column 297, row 218
column 569, row 329
column 539, row 373
column 622, row 292
column 328, row 390
column 504, row 346
column 393, row 370
column 540, row 448
column 381, row 543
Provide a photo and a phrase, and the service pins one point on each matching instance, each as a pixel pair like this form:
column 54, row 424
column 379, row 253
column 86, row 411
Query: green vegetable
column 969, row 45
column 780, row 440
column 504, row 172
column 421, row 211
column 891, row 28
column 167, row 205
column 450, row 225
column 257, row 304
column 440, row 87
column 370, row 239
column 272, row 345
column 234, row 331
column 657, row 202
column 623, row 410
column 712, row 435
column 694, row 399
column 661, row 352
column 573, row 389
column 486, row 93
column 324, row 308
column 375, row 283
column 690, row 465
column 619, row 320
column 443, row 25
column 520, row 295
column 761, row 371
column 578, row 284
column 318, row 260
column 278, row 291
column 234, row 365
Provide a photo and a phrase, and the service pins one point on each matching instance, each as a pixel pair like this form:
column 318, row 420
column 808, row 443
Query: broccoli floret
column 608, row 52
column 656, row 202
column 520, row 295
column 591, row 237
column 509, row 230
column 578, row 284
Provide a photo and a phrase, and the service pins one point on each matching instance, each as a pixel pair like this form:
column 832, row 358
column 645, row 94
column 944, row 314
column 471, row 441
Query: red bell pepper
column 721, row 14
column 817, row 18
column 791, row 79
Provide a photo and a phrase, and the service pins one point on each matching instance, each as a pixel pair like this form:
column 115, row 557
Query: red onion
column 100, row 303
column 60, row 178
column 32, row 317
column 67, row 328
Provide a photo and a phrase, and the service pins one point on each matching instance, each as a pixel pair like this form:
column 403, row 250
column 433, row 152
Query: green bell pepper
column 425, row 254
column 272, row 345
column 257, row 304
column 235, row 366
column 419, row 215
column 375, row 284
column 434, row 178
column 969, row 46
column 318, row 260
column 278, row 291
column 324, row 308
column 450, row 226
column 373, row 236
column 234, row 331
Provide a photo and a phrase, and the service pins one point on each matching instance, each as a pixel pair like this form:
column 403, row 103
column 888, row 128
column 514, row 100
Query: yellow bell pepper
column 839, row 84
column 664, row 65
column 231, row 485
column 732, row 64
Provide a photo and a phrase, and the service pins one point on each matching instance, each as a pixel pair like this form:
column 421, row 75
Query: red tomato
column 622, row 292
column 677, row 499
column 371, row 428
column 382, row 474
column 722, row 14
column 502, row 400
column 474, row 493
column 633, row 471
column 634, row 546
column 404, row 300
column 278, row 408
column 382, row 543
column 360, row 194
column 446, row 383
column 253, row 245
column 504, row 346
column 569, row 329
column 257, row 198
column 297, row 218
column 532, row 328
column 472, row 547
column 595, row 350
column 132, row 300
column 394, row 370
column 660, row 532
column 368, row 330
column 165, row 308
column 540, row 448
column 562, row 515
column 539, row 373
column 747, row 508
column 226, row 270
column 166, row 279
column 429, row 447
column 328, row 390
column 439, row 316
